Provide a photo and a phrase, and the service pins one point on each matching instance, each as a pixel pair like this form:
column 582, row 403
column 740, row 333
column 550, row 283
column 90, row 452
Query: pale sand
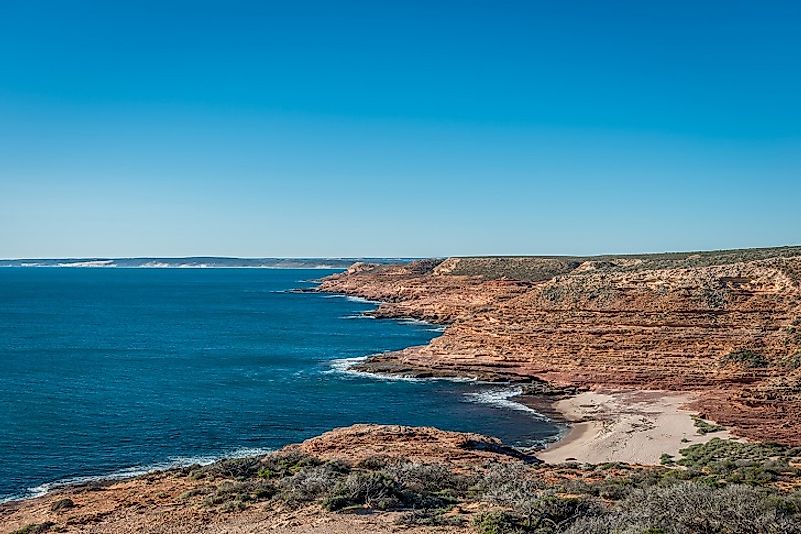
column 634, row 427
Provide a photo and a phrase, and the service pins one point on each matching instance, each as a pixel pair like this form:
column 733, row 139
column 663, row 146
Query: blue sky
column 397, row 128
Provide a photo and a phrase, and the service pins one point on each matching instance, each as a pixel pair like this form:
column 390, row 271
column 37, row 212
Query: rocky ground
column 223, row 498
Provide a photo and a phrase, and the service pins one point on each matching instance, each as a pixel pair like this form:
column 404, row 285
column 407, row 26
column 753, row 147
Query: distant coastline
column 196, row 262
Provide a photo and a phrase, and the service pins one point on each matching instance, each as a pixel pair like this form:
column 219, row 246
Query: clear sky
column 383, row 128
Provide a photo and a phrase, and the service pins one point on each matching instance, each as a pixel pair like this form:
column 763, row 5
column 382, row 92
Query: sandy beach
column 634, row 427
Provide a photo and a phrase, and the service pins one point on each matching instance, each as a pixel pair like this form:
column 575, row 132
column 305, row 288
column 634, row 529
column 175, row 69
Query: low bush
column 376, row 462
column 496, row 522
column 35, row 528
column 792, row 362
column 429, row 518
column 394, row 485
column 531, row 504
column 285, row 464
column 240, row 492
column 311, row 483
column 705, row 427
column 746, row 358
column 716, row 480
column 200, row 490
column 62, row 504
column 428, row 485
column 236, row 468
column 372, row 489
column 691, row 507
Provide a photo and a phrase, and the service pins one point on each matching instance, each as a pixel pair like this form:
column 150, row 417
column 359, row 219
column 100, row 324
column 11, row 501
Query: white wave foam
column 166, row 265
column 412, row 321
column 345, row 366
column 135, row 471
column 96, row 263
column 501, row 398
column 357, row 316
column 431, row 327
column 350, row 298
column 360, row 300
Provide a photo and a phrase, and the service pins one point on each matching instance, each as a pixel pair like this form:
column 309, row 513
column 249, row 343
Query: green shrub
column 690, row 507
column 429, row 518
column 201, row 490
column 241, row 492
column 311, row 483
column 428, row 485
column 62, row 504
column 376, row 462
column 705, row 427
column 397, row 485
column 577, row 486
column 792, row 362
column 235, row 505
column 535, row 505
column 719, row 450
column 35, row 528
column 236, row 468
column 614, row 489
column 497, row 522
column 285, row 464
column 746, row 358
column 365, row 488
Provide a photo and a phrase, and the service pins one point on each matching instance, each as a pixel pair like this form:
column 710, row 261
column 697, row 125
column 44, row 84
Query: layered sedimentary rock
column 724, row 324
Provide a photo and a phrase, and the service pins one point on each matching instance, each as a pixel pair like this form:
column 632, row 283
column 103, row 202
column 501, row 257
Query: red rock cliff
column 725, row 324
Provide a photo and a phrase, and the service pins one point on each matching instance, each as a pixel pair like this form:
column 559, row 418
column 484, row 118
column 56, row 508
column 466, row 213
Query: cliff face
column 724, row 324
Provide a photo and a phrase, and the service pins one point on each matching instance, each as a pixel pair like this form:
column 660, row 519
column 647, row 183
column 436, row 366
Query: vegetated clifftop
column 278, row 493
column 726, row 324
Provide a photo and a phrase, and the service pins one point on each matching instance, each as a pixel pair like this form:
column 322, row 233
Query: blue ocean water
column 112, row 372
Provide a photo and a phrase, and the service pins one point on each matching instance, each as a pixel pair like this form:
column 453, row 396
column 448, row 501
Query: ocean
column 107, row 373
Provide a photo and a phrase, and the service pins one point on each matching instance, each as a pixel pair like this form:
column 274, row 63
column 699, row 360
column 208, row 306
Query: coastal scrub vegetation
column 747, row 358
column 62, row 504
column 295, row 479
column 721, row 486
column 35, row 528
column 538, row 268
column 705, row 427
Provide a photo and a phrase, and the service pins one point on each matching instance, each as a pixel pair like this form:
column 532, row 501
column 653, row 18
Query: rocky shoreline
column 725, row 326
column 644, row 355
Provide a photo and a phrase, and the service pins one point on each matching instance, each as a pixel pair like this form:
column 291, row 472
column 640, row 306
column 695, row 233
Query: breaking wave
column 345, row 366
column 134, row 471
column 502, row 398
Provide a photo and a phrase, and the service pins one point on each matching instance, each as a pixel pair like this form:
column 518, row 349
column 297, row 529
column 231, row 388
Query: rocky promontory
column 724, row 325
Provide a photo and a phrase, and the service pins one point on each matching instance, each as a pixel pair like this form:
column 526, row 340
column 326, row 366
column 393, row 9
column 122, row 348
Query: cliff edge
column 725, row 325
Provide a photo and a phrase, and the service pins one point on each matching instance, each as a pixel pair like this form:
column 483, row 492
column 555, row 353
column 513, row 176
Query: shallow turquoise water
column 117, row 371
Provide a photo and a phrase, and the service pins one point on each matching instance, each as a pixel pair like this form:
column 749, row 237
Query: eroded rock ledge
column 726, row 325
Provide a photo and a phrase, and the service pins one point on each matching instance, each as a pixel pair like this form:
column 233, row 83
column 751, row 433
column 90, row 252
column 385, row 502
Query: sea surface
column 113, row 372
